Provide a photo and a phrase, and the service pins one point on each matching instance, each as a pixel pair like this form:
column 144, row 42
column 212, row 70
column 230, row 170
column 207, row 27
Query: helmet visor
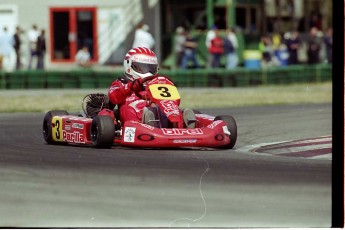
column 144, row 68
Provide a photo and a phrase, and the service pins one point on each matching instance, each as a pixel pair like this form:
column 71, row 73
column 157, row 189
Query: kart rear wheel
column 47, row 125
column 102, row 132
column 232, row 127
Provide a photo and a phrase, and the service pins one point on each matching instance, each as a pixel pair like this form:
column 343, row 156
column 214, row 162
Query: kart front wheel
column 232, row 127
column 102, row 132
column 47, row 125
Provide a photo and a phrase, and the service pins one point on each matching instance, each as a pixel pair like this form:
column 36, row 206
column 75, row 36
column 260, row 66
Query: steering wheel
column 146, row 79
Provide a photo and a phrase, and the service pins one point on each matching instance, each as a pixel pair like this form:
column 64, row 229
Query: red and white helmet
column 140, row 62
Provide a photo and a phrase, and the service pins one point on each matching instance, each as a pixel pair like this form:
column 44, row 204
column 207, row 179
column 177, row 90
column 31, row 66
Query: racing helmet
column 140, row 62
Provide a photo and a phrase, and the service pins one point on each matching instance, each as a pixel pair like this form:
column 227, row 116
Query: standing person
column 143, row 38
column 189, row 52
column 41, row 49
column 17, row 44
column 314, row 47
column 293, row 44
column 6, row 48
column 216, row 50
column 266, row 48
column 230, row 47
column 32, row 36
column 179, row 40
column 328, row 39
column 209, row 36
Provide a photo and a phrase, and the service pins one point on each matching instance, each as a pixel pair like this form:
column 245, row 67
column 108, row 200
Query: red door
column 70, row 30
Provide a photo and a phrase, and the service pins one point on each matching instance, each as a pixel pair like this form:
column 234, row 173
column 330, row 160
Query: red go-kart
column 168, row 126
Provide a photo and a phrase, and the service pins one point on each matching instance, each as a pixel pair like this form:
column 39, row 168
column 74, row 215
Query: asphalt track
column 68, row 186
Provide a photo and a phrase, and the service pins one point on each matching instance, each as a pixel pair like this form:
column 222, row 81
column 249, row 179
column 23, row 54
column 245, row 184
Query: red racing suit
column 130, row 105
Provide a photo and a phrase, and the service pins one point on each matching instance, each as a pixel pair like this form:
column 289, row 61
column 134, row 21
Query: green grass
column 70, row 100
column 263, row 95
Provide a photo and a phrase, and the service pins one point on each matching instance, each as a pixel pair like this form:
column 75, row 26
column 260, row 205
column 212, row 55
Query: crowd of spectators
column 11, row 48
column 275, row 49
column 222, row 47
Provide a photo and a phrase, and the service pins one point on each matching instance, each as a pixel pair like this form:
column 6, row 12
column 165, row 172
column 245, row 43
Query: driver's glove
column 137, row 85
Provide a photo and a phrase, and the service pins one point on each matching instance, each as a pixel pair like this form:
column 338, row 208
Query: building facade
column 106, row 27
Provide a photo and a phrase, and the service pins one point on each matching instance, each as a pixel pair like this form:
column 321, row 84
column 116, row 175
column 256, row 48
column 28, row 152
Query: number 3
column 165, row 91
column 57, row 134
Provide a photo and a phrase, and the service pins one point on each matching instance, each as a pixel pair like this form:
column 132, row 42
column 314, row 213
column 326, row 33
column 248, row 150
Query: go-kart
column 98, row 124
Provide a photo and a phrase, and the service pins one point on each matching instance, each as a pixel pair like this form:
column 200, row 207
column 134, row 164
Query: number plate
column 164, row 92
column 57, row 129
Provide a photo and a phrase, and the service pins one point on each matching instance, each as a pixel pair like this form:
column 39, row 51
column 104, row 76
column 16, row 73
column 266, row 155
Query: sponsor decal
column 74, row 137
column 184, row 141
column 79, row 119
column 131, row 98
column 226, row 130
column 77, row 126
column 214, row 124
column 67, row 127
column 178, row 132
column 147, row 126
column 170, row 107
column 140, row 58
column 146, row 137
column 129, row 135
column 113, row 88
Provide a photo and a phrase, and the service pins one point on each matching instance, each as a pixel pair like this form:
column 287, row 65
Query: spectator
column 314, row 46
column 265, row 46
column 189, row 52
column 180, row 39
column 41, row 49
column 328, row 39
column 293, row 43
column 33, row 36
column 230, row 47
column 17, row 44
column 83, row 57
column 276, row 41
column 209, row 36
column 6, row 49
column 142, row 37
column 281, row 56
column 216, row 50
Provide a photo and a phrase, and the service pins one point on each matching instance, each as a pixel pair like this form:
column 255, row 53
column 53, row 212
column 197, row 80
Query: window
column 71, row 29
column 247, row 18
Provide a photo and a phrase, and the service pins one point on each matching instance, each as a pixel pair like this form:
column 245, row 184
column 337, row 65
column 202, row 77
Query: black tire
column 232, row 127
column 102, row 132
column 47, row 125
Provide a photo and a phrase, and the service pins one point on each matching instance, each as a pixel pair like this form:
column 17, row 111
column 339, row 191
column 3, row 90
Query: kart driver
column 139, row 63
